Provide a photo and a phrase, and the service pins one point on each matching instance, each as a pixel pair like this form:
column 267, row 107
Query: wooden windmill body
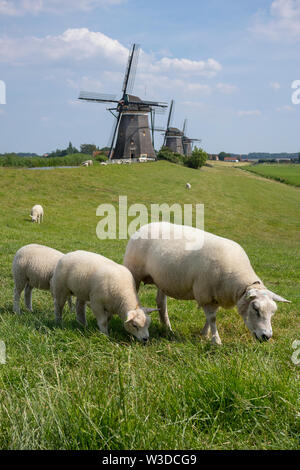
column 131, row 136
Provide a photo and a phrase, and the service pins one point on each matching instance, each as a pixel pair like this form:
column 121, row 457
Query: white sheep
column 188, row 186
column 33, row 267
column 107, row 286
column 37, row 214
column 193, row 264
column 87, row 163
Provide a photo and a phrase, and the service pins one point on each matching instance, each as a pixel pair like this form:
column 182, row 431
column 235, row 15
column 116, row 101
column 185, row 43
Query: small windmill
column 173, row 136
column 131, row 130
column 187, row 143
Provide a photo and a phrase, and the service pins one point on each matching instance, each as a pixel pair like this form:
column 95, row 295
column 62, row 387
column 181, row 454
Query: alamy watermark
column 296, row 354
column 2, row 92
column 296, row 93
column 181, row 215
column 2, row 353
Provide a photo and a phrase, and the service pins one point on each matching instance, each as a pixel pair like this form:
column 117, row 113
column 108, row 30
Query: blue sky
column 228, row 64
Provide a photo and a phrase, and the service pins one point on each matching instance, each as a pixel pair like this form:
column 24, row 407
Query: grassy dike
column 73, row 388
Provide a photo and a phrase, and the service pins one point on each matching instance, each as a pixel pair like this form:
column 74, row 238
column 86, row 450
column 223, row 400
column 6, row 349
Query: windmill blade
column 170, row 117
column 150, row 103
column 171, row 112
column 159, row 110
column 97, row 97
column 113, row 135
column 131, row 69
column 184, row 126
column 152, row 117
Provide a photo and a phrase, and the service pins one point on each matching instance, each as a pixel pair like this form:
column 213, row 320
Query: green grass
column 285, row 173
column 73, row 388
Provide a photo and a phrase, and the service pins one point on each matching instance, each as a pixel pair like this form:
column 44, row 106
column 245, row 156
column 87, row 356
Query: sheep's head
column 257, row 306
column 137, row 323
column 33, row 218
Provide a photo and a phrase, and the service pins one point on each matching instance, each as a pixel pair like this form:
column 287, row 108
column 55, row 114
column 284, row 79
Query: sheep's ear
column 130, row 316
column 278, row 298
column 150, row 310
column 251, row 293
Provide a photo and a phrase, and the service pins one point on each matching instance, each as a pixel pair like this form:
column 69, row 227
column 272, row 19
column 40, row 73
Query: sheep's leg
column 80, row 312
column 211, row 313
column 101, row 317
column 206, row 330
column 28, row 297
column 70, row 303
column 161, row 301
column 17, row 295
column 58, row 309
column 137, row 284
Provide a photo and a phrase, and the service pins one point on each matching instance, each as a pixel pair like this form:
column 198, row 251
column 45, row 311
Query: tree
column 197, row 159
column 88, row 148
column 71, row 149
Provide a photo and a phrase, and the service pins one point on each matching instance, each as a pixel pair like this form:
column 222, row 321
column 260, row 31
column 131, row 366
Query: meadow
column 285, row 173
column 74, row 388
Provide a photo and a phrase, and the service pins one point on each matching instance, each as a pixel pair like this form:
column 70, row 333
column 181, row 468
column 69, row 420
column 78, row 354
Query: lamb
column 37, row 213
column 187, row 263
column 188, row 186
column 87, row 163
column 107, row 286
column 33, row 267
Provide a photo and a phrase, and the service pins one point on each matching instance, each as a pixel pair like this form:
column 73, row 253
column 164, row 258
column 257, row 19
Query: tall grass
column 36, row 162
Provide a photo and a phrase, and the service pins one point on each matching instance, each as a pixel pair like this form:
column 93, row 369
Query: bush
column 101, row 157
column 166, row 154
column 197, row 159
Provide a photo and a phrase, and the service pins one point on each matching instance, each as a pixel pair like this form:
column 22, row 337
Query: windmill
column 131, row 130
column 173, row 136
column 187, row 143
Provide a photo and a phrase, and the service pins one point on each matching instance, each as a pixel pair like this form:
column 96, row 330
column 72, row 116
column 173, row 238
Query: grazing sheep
column 87, row 163
column 108, row 287
column 37, row 214
column 216, row 273
column 188, row 186
column 33, row 266
column 103, row 163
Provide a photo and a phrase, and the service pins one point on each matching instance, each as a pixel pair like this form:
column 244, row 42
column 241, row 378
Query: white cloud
column 8, row 8
column 108, row 57
column 75, row 44
column 283, row 21
column 21, row 7
column 193, row 104
column 285, row 108
column 208, row 68
column 275, row 86
column 198, row 88
column 255, row 112
column 226, row 88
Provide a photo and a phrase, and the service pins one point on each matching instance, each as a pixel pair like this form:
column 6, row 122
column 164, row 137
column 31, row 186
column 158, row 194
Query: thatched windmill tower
column 173, row 136
column 131, row 130
column 187, row 142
